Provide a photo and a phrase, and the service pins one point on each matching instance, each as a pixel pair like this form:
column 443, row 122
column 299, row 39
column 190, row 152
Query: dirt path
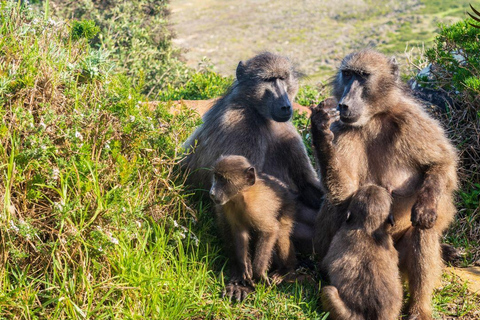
column 315, row 34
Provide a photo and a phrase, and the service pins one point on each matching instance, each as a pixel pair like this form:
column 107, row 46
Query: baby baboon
column 252, row 120
column 251, row 204
column 362, row 262
column 384, row 137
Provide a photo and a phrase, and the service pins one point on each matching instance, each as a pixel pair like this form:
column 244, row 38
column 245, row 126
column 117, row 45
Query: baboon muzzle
column 350, row 105
column 282, row 109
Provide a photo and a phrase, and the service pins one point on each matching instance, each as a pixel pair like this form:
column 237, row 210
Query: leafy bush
column 136, row 33
column 456, row 60
column 455, row 70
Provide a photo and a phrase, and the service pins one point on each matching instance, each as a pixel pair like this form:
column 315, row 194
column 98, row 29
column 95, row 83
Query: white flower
column 139, row 224
column 78, row 135
column 132, row 118
column 42, row 124
column 13, row 226
column 59, row 205
column 100, row 249
column 107, row 145
column 175, row 224
column 114, row 240
column 55, row 173
column 43, row 147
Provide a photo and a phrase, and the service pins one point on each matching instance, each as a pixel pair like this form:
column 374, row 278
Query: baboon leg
column 263, row 254
column 285, row 250
column 420, row 258
column 336, row 306
column 328, row 222
column 303, row 230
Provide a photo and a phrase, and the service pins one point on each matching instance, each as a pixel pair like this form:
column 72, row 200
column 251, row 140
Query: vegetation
column 454, row 68
column 136, row 34
column 94, row 219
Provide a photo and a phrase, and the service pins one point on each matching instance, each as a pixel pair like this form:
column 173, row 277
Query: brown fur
column 362, row 262
column 242, row 123
column 254, row 205
column 384, row 137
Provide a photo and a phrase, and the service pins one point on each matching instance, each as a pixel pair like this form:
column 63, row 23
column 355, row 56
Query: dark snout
column 285, row 112
column 282, row 110
column 214, row 197
column 347, row 113
column 351, row 103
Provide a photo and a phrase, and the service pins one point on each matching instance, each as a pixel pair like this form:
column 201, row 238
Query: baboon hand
column 322, row 117
column 237, row 290
column 424, row 214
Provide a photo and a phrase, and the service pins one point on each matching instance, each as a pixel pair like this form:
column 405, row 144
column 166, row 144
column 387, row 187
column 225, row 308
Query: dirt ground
column 314, row 34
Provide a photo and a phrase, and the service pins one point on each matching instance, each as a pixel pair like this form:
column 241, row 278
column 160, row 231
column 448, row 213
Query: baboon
column 380, row 135
column 252, row 120
column 362, row 262
column 252, row 204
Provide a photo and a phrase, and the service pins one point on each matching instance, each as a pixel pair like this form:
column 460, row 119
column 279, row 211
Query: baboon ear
column 395, row 68
column 250, row 175
column 240, row 70
column 391, row 220
column 349, row 216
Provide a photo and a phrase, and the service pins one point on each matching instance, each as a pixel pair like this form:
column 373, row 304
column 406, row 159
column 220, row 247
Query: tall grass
column 94, row 219
column 95, row 223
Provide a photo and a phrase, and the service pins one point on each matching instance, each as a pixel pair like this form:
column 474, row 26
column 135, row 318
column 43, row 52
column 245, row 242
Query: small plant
column 84, row 29
column 455, row 57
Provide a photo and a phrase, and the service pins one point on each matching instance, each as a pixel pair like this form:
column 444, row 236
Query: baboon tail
column 336, row 306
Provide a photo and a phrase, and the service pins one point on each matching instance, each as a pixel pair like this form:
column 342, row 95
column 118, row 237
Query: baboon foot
column 450, row 254
column 237, row 291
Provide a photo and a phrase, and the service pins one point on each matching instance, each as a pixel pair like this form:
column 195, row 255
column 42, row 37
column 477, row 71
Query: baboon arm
column 435, row 184
column 303, row 174
column 242, row 258
column 336, row 181
column 263, row 254
column 437, row 160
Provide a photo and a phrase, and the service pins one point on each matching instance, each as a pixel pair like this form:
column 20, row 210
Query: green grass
column 94, row 220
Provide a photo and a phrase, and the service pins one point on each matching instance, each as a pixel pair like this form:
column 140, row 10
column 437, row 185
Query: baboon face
column 269, row 82
column 363, row 81
column 231, row 175
column 370, row 208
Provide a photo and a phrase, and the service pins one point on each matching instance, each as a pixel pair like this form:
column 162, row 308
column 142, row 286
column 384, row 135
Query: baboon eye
column 272, row 79
column 364, row 74
column 347, row 74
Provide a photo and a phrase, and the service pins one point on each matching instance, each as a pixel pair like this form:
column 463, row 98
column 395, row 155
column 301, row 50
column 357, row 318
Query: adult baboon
column 255, row 205
column 252, row 120
column 384, row 137
column 362, row 262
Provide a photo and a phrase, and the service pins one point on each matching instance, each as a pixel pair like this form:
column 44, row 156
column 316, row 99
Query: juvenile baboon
column 252, row 120
column 255, row 205
column 384, row 137
column 362, row 263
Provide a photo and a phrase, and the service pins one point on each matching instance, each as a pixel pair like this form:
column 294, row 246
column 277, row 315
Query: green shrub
column 84, row 29
column 455, row 69
column 136, row 33
column 456, row 60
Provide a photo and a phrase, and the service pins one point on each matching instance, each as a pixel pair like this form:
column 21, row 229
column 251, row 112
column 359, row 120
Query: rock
column 470, row 275
column 202, row 106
